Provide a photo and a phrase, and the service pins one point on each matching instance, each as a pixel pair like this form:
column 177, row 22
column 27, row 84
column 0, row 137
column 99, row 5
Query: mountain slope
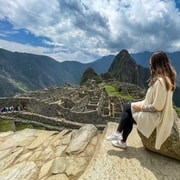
column 29, row 72
column 143, row 59
column 21, row 72
column 102, row 65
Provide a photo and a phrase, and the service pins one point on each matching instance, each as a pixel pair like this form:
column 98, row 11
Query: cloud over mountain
column 84, row 30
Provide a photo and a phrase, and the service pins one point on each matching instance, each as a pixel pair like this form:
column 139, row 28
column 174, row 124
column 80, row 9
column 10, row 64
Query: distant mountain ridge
column 21, row 72
column 143, row 59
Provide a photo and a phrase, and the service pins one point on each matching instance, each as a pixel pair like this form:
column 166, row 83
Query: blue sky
column 84, row 30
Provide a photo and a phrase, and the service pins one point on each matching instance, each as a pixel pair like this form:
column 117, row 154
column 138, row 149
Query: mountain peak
column 123, row 52
column 125, row 69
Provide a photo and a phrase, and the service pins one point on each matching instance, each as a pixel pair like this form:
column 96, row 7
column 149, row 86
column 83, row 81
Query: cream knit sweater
column 159, row 98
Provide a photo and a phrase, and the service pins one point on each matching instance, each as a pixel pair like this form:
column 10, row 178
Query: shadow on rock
column 158, row 164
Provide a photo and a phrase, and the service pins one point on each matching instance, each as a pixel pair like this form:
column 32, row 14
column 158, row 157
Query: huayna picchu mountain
column 125, row 69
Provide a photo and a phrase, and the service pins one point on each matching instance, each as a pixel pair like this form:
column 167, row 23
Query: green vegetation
column 19, row 85
column 112, row 91
column 88, row 74
column 176, row 96
column 177, row 109
column 23, row 126
column 5, row 125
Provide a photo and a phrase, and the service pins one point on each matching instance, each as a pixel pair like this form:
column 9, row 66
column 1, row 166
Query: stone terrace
column 82, row 154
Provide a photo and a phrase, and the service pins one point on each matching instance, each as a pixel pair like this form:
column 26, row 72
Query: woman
column 155, row 111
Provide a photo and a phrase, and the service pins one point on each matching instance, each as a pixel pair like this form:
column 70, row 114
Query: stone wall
column 81, row 104
column 53, row 110
column 73, row 105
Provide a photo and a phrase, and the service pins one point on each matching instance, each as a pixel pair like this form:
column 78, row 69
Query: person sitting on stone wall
column 155, row 111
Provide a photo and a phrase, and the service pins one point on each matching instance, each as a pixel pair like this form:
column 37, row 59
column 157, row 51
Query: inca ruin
column 66, row 107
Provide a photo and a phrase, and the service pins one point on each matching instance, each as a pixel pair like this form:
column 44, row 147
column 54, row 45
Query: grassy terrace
column 7, row 125
column 111, row 90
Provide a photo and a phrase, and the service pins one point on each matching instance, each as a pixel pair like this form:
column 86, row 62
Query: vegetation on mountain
column 89, row 75
column 177, row 109
column 143, row 60
column 176, row 96
column 106, row 76
column 23, row 72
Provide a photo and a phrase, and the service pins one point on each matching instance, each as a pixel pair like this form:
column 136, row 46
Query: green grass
column 5, row 125
column 111, row 90
column 23, row 126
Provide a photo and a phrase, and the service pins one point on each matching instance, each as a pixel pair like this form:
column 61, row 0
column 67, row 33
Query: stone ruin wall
column 94, row 107
column 57, row 110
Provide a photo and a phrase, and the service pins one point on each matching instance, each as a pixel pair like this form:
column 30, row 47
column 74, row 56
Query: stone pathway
column 82, row 154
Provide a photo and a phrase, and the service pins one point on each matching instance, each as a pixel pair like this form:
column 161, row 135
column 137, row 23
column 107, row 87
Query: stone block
column 171, row 147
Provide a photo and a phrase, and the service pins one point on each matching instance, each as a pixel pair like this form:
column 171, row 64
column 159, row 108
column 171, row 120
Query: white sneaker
column 119, row 143
column 114, row 136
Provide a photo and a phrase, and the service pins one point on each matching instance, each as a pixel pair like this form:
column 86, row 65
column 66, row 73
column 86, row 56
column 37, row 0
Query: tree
column 88, row 74
column 106, row 76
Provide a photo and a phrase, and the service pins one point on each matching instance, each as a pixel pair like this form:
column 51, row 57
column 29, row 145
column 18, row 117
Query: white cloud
column 80, row 28
column 15, row 47
column 56, row 53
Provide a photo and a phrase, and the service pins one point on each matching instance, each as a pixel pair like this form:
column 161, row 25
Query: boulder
column 171, row 147
column 81, row 139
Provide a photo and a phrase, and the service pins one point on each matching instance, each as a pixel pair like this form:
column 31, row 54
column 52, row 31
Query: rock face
column 81, row 139
column 171, row 147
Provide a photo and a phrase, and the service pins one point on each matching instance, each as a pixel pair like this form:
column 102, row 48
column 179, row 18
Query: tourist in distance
column 155, row 111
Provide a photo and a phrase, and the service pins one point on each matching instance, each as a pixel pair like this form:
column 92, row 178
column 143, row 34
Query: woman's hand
column 136, row 108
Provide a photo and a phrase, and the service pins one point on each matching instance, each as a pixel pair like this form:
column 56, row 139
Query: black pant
column 126, row 121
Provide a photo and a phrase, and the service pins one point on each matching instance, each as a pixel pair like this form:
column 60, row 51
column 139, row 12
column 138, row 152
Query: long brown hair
column 160, row 66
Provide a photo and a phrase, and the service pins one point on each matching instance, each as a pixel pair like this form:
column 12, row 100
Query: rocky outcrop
column 171, row 147
column 39, row 154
